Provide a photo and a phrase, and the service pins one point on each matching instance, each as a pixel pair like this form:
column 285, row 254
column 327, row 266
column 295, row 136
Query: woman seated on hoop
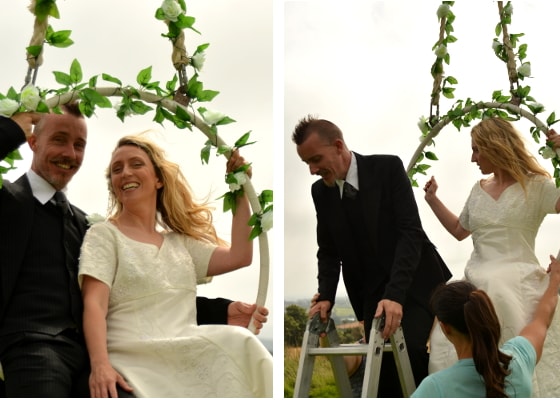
column 502, row 215
column 468, row 319
column 139, row 287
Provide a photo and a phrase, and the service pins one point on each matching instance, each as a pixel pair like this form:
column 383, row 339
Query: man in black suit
column 42, row 350
column 371, row 231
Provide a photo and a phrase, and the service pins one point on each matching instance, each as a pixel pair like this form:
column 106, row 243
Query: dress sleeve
column 464, row 217
column 200, row 253
column 549, row 196
column 98, row 257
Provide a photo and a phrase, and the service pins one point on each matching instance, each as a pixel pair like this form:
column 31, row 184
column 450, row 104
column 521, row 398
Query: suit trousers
column 416, row 324
column 42, row 365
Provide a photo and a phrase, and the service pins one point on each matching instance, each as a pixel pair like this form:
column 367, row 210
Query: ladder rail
column 334, row 351
column 306, row 363
column 374, row 358
column 402, row 361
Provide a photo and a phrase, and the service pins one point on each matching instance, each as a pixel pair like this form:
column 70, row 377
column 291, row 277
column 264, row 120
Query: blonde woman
column 503, row 214
column 139, row 287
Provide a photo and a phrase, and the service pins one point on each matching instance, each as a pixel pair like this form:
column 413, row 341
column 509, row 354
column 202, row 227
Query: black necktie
column 349, row 191
column 71, row 241
column 61, row 202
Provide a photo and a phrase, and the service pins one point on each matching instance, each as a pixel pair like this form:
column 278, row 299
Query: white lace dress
column 503, row 263
column 152, row 335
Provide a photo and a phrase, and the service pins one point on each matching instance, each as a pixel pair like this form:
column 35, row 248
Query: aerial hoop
column 507, row 49
column 511, row 108
column 172, row 106
column 178, row 103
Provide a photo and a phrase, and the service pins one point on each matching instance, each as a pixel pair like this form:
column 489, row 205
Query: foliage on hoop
column 174, row 101
column 519, row 103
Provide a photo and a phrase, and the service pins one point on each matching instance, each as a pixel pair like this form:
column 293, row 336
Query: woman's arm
column 103, row 379
column 449, row 220
column 240, row 252
column 553, row 139
column 536, row 330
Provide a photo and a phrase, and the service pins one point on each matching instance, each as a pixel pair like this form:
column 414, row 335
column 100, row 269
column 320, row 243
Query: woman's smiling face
column 132, row 174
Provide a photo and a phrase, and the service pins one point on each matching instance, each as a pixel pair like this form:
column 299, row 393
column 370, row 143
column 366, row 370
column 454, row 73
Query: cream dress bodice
column 503, row 263
column 152, row 336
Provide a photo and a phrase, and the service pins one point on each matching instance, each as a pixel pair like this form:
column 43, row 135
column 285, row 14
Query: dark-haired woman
column 484, row 369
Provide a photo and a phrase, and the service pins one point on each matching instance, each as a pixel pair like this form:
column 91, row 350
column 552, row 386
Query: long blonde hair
column 177, row 210
column 502, row 145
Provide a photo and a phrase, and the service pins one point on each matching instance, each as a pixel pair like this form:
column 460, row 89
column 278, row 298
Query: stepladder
column 334, row 351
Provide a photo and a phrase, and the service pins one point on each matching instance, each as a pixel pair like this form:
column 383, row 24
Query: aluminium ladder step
column 334, row 351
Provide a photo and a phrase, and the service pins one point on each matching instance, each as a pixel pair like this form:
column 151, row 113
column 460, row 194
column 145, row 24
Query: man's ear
column 339, row 144
column 32, row 141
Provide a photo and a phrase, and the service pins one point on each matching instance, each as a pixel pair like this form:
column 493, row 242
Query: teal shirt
column 462, row 380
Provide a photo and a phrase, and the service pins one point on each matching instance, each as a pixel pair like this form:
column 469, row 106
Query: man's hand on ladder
column 322, row 308
column 392, row 311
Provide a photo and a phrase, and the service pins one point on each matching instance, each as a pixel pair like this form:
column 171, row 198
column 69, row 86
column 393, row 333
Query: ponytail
column 470, row 311
column 484, row 330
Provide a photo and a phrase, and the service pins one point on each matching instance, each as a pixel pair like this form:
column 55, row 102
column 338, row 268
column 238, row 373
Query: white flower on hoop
column 171, row 10
column 524, row 71
column 197, row 60
column 423, row 126
column 30, row 97
column 262, row 221
column 240, row 179
column 548, row 152
column 94, row 218
column 266, row 221
column 212, row 117
column 8, row 107
column 535, row 107
column 443, row 11
column 441, row 51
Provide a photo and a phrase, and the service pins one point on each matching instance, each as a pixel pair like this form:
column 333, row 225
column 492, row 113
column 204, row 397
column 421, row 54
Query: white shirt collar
column 351, row 175
column 42, row 190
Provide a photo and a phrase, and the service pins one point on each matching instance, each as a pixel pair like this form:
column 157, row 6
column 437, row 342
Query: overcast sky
column 123, row 37
column 366, row 67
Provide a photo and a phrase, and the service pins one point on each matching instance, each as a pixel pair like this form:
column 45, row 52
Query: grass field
column 322, row 383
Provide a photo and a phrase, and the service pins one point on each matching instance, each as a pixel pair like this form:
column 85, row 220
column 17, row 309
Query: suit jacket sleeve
column 327, row 254
column 11, row 136
column 408, row 235
column 212, row 311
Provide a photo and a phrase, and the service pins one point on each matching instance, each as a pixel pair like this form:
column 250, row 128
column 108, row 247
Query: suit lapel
column 80, row 217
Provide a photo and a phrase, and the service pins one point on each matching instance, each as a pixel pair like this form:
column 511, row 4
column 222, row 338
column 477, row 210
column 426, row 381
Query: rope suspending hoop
column 37, row 39
column 518, row 104
column 174, row 103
